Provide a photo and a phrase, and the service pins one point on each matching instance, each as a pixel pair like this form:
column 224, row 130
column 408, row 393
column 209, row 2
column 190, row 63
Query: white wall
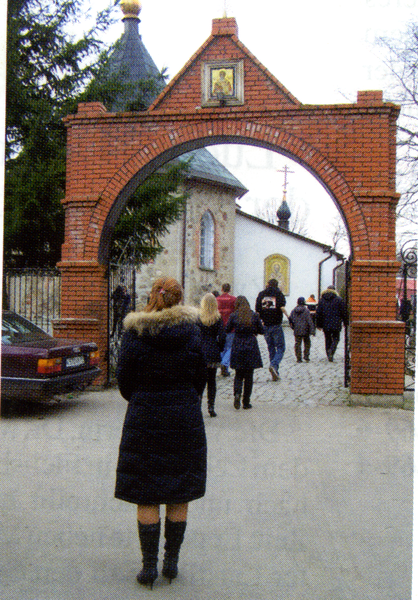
column 255, row 241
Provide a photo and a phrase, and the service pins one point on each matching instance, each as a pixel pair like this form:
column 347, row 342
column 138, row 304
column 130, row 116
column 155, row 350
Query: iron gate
column 122, row 296
column 408, row 308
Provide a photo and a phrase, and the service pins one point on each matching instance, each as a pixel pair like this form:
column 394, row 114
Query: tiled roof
column 206, row 167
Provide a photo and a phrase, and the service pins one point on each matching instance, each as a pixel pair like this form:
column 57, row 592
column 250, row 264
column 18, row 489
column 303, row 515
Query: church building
column 214, row 241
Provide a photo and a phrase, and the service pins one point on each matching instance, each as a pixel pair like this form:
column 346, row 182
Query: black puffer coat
column 331, row 312
column 161, row 372
column 213, row 341
column 245, row 353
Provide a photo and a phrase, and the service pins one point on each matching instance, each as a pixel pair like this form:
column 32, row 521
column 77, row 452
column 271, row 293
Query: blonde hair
column 209, row 312
column 165, row 292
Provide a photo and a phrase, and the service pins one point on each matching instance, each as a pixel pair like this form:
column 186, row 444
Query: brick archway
column 349, row 148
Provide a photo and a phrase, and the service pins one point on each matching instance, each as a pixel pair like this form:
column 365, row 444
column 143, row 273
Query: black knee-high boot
column 174, row 535
column 149, row 537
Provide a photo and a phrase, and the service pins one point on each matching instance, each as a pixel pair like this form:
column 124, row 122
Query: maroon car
column 36, row 366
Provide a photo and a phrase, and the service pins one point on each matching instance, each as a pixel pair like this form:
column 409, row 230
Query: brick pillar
column 377, row 339
column 84, row 308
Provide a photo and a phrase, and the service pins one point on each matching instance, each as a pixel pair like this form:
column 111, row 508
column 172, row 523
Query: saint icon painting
column 222, row 81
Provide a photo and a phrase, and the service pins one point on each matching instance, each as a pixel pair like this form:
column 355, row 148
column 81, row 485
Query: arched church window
column 207, row 241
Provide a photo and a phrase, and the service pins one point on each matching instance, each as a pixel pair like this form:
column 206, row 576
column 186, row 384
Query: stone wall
column 181, row 254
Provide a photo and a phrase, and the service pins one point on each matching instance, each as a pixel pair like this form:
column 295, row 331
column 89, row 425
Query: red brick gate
column 349, row 148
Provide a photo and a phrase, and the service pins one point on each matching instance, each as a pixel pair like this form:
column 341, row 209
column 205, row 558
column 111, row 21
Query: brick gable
column 262, row 90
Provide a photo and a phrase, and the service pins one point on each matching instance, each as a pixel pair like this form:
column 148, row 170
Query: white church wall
column 255, row 241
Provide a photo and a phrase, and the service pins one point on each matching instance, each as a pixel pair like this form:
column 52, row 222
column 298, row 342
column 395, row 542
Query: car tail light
column 46, row 366
column 94, row 357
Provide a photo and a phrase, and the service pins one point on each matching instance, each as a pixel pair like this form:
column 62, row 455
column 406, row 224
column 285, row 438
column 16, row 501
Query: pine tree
column 48, row 73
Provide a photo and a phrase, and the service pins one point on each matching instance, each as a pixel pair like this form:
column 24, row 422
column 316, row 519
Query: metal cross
column 286, row 170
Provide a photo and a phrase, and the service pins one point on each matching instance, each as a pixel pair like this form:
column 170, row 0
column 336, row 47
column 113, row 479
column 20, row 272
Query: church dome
column 131, row 61
column 284, row 214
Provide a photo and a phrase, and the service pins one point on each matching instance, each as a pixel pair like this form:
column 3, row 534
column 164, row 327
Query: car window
column 16, row 329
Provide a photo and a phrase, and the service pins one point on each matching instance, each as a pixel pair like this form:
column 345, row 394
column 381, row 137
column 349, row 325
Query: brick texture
column 350, row 148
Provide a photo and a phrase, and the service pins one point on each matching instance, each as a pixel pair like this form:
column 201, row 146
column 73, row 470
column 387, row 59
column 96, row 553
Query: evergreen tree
column 48, row 73
column 155, row 204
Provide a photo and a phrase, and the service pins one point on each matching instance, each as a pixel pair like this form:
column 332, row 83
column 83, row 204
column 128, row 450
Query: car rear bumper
column 39, row 389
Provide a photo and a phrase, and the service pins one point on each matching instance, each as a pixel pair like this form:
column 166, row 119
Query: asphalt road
column 307, row 498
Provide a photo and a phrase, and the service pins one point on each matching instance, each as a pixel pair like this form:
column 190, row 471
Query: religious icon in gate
column 223, row 83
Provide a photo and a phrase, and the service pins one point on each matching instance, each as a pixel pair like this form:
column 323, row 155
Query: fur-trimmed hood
column 154, row 322
column 329, row 294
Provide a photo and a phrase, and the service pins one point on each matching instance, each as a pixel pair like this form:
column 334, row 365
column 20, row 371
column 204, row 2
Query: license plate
column 75, row 361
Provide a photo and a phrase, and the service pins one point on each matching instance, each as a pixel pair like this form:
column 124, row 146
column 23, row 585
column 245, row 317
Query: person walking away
column 311, row 304
column 270, row 305
column 118, row 302
column 331, row 314
column 126, row 304
column 300, row 321
column 213, row 341
column 245, row 353
column 226, row 306
column 161, row 372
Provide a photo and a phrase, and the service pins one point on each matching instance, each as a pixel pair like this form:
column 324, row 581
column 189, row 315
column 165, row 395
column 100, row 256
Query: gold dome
column 130, row 8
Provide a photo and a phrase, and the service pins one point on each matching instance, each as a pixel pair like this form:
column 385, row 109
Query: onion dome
column 284, row 214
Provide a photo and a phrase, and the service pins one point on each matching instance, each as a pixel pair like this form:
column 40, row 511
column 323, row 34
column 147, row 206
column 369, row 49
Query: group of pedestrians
column 169, row 354
column 230, row 328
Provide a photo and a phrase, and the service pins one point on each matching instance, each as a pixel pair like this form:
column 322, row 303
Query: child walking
column 213, row 342
column 245, row 353
column 303, row 327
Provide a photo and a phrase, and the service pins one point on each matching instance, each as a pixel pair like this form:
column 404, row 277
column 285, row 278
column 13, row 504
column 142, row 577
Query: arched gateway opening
column 349, row 148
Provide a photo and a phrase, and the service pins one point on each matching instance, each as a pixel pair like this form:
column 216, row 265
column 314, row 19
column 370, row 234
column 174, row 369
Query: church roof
column 132, row 61
column 205, row 166
column 132, row 56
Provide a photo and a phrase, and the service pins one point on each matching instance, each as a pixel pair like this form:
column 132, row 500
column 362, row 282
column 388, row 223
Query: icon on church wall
column 277, row 266
column 223, row 83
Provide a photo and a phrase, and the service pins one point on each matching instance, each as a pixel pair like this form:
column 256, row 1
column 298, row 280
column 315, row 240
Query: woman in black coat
column 162, row 455
column 213, row 342
column 245, row 353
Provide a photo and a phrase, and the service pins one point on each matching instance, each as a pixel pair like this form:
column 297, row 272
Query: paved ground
column 307, row 498
column 318, row 382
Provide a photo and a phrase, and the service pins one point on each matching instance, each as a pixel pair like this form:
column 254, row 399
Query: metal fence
column 120, row 276
column 408, row 307
column 33, row 293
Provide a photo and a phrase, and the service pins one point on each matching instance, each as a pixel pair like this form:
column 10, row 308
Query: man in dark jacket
column 270, row 305
column 331, row 314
